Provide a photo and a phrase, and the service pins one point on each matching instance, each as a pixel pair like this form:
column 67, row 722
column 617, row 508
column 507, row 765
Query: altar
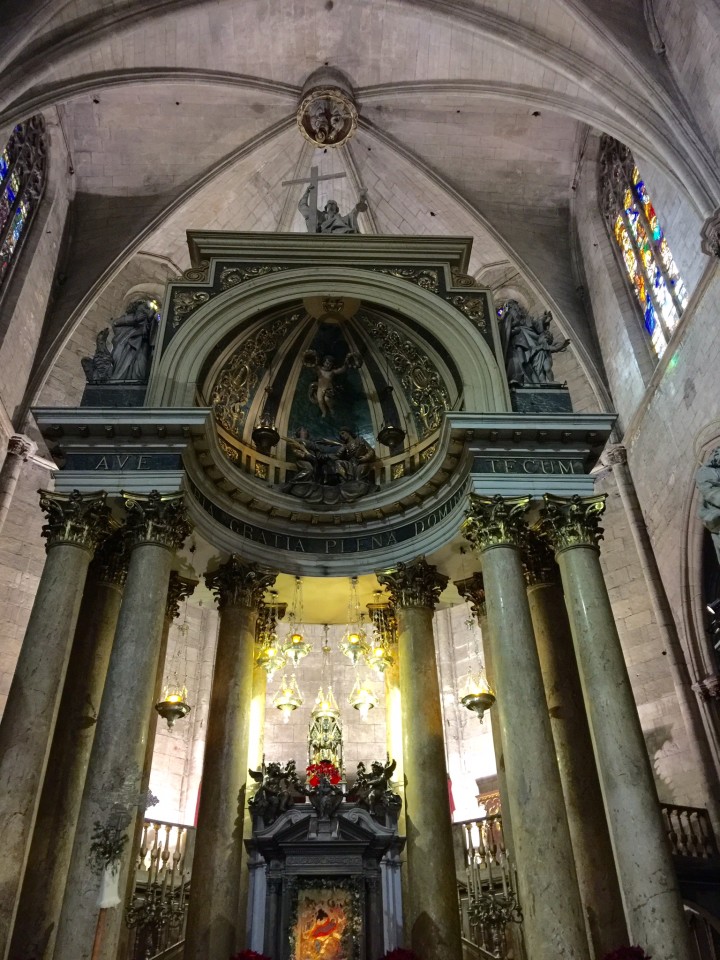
column 325, row 886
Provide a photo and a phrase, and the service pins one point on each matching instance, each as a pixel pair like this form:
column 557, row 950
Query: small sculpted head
column 331, row 207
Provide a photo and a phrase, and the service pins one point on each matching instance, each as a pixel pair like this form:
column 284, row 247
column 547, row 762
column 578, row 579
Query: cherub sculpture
column 372, row 790
column 322, row 389
column 276, row 792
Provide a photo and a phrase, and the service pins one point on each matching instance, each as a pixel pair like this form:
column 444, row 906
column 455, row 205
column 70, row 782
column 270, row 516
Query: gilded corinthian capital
column 179, row 588
column 538, row 560
column 156, row 518
column 111, row 560
column 239, row 584
column 472, row 589
column 495, row 521
column 81, row 519
column 416, row 584
column 571, row 521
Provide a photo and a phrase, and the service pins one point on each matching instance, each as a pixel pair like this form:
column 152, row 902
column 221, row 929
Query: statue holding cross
column 329, row 220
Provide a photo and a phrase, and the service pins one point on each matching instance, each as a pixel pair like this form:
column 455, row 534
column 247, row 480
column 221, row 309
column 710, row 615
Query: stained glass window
column 22, row 180
column 641, row 243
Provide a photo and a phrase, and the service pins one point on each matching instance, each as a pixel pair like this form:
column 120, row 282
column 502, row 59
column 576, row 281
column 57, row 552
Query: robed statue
column 529, row 345
column 707, row 481
column 129, row 355
column 329, row 220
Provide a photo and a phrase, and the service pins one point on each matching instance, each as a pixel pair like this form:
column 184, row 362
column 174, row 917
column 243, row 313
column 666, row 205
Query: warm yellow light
column 296, row 638
column 173, row 698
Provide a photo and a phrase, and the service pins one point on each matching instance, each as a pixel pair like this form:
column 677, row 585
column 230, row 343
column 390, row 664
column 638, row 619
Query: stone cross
column 313, row 180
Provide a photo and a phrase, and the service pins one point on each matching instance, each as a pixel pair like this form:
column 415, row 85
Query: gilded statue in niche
column 323, row 387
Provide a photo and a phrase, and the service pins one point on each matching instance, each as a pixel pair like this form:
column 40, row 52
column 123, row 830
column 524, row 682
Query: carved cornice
column 21, row 446
column 416, row 584
column 179, row 588
column 111, row 560
column 156, row 518
column 473, row 589
column 567, row 522
column 241, row 584
column 496, row 521
column 80, row 519
column 614, row 453
column 538, row 561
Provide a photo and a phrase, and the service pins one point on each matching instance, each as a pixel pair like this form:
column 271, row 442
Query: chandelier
column 271, row 656
column 354, row 644
column 288, row 698
column 296, row 646
column 378, row 656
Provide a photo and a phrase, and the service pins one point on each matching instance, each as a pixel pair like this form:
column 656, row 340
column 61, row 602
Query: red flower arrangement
column 249, row 955
column 627, row 953
column 323, row 769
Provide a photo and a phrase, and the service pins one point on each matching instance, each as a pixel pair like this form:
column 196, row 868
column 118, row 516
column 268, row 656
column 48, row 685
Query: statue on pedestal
column 128, row 358
column 528, row 345
column 707, row 481
column 329, row 220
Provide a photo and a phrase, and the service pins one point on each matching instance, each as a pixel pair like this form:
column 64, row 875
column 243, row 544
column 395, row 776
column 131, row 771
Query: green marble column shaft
column 594, row 862
column 216, row 918
column 112, row 799
column 49, row 860
column 74, row 526
column 549, row 896
column 648, row 883
column 431, row 913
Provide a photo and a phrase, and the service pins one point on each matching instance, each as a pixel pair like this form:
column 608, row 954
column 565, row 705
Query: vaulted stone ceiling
column 178, row 114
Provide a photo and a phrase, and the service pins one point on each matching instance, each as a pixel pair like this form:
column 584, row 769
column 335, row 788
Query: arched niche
column 177, row 373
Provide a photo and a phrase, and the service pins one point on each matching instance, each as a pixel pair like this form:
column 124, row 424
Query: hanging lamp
column 173, row 704
column 476, row 693
column 296, row 646
column 288, row 698
column 354, row 644
column 378, row 656
column 362, row 698
column 270, row 655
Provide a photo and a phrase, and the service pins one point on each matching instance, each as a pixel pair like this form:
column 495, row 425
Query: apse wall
column 668, row 422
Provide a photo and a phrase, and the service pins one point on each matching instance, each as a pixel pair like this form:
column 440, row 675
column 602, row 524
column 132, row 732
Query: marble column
column 431, row 913
column 589, row 834
column 472, row 589
column 690, row 708
column 256, row 753
column 19, row 448
column 112, row 800
column 179, row 588
column 216, row 917
column 75, row 525
column 548, row 888
column 653, row 908
column 49, row 860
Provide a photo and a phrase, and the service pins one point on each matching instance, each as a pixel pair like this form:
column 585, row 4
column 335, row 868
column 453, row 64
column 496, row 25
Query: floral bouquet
column 627, row 953
column 323, row 769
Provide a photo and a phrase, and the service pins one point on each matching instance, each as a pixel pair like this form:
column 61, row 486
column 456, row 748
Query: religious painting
column 325, row 923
